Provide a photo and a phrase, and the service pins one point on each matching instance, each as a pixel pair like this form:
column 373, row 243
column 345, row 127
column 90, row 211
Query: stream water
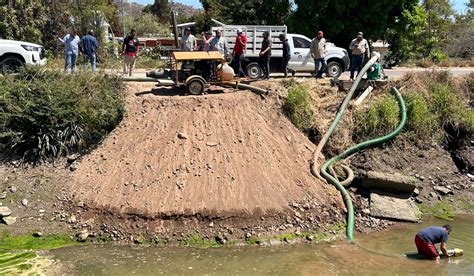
column 375, row 254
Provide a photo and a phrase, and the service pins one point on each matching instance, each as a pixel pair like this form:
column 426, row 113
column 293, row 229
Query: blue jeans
column 71, row 60
column 356, row 64
column 238, row 64
column 319, row 70
column 91, row 59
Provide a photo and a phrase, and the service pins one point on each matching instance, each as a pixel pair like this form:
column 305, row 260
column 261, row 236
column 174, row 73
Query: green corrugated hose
column 356, row 148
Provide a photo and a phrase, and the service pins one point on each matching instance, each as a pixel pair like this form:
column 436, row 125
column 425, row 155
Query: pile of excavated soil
column 228, row 155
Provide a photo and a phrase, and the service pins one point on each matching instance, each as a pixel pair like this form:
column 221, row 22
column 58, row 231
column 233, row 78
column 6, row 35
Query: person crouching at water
column 428, row 237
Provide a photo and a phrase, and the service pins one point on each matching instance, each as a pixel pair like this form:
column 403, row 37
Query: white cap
column 239, row 30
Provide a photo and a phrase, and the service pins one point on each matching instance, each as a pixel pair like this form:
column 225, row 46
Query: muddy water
column 375, row 254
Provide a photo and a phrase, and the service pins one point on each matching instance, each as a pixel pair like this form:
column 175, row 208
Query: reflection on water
column 378, row 253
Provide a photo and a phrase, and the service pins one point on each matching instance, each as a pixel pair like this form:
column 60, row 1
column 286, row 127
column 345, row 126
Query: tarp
column 212, row 55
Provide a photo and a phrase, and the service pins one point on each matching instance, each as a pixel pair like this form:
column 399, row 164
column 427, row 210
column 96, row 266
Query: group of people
column 87, row 45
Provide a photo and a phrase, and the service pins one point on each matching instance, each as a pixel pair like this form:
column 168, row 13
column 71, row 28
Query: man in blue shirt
column 428, row 237
column 88, row 49
column 71, row 42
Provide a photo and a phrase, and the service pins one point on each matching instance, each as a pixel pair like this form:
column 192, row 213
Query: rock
column 73, row 166
column 470, row 176
column 212, row 143
column 418, row 200
column 9, row 220
column 366, row 211
column 211, row 224
column 443, row 190
column 80, row 204
column 248, row 235
column 432, row 194
column 416, row 192
column 37, row 234
column 389, row 182
column 13, row 189
column 72, row 219
column 82, row 236
column 72, row 157
column 310, row 238
column 182, row 135
column 5, row 211
column 220, row 240
column 3, row 195
column 24, row 202
column 391, row 206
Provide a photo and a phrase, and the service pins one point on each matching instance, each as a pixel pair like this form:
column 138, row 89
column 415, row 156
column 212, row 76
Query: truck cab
column 14, row 54
column 337, row 58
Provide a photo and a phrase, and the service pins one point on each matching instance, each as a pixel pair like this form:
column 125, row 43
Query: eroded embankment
column 217, row 157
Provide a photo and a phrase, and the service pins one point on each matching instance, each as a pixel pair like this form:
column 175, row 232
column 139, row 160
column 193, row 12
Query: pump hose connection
column 333, row 180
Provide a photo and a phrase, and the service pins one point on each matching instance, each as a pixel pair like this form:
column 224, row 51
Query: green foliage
column 378, row 119
column 15, row 263
column 195, row 240
column 441, row 210
column 22, row 20
column 341, row 20
column 160, row 8
column 297, row 107
column 8, row 242
column 252, row 12
column 447, row 104
column 147, row 25
column 420, row 120
column 49, row 114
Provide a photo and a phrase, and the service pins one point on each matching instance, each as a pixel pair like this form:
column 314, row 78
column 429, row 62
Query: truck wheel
column 334, row 69
column 195, row 86
column 254, row 71
column 11, row 65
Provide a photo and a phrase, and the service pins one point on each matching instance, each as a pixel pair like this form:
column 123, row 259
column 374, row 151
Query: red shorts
column 426, row 248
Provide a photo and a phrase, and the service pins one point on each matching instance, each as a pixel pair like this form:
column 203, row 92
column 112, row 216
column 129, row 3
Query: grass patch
column 31, row 243
column 441, row 210
column 297, row 107
column 378, row 119
column 47, row 114
column 197, row 241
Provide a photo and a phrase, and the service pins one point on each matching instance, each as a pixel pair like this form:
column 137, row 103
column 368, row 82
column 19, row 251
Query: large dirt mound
column 221, row 155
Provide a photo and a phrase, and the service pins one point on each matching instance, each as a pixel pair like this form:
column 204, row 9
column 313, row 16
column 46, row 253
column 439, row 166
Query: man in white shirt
column 188, row 42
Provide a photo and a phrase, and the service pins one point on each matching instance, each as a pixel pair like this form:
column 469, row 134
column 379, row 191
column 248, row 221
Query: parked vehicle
column 15, row 54
column 337, row 58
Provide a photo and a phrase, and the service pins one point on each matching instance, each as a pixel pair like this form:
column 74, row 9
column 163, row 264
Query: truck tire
column 334, row 69
column 253, row 70
column 195, row 85
column 11, row 65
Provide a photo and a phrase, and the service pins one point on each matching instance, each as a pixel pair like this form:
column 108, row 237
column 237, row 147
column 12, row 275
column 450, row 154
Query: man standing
column 130, row 51
column 286, row 54
column 265, row 55
column 219, row 43
column 318, row 52
column 89, row 48
column 239, row 51
column 188, row 42
column 359, row 47
column 428, row 237
column 206, row 40
column 71, row 42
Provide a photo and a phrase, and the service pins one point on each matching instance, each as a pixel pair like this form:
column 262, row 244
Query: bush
column 297, row 107
column 48, row 114
column 378, row 119
column 420, row 120
column 446, row 104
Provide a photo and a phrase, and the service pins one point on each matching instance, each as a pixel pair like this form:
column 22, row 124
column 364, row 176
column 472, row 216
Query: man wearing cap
column 188, row 41
column 318, row 51
column 359, row 47
column 239, row 51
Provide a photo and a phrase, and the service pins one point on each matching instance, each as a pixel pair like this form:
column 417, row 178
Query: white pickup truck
column 301, row 61
column 14, row 54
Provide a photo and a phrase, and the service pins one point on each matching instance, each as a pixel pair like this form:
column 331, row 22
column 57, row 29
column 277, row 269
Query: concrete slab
column 392, row 206
column 389, row 182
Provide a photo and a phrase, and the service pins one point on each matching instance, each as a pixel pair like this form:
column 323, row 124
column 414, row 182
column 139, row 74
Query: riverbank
column 244, row 147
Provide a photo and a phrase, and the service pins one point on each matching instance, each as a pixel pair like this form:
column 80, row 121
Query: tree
column 161, row 9
column 341, row 20
column 147, row 25
column 462, row 44
column 252, row 12
column 22, row 20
